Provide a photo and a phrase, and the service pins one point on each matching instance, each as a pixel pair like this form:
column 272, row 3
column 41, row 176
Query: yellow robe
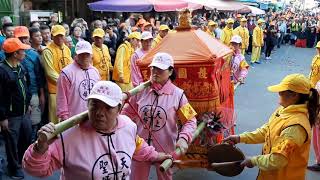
column 257, row 37
column 286, row 138
column 156, row 41
column 243, row 32
column 101, row 59
column 211, row 33
column 226, row 36
column 122, row 66
column 54, row 59
column 315, row 70
column 257, row 43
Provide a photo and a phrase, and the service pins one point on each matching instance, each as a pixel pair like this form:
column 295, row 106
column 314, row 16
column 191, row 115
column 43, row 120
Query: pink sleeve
column 244, row 72
column 136, row 76
column 190, row 126
column 145, row 152
column 244, row 68
column 43, row 165
column 63, row 86
column 127, row 109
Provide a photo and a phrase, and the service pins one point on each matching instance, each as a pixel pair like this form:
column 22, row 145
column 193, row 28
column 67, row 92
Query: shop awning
column 255, row 10
column 220, row 5
column 141, row 5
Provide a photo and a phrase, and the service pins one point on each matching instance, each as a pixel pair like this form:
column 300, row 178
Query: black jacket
column 14, row 94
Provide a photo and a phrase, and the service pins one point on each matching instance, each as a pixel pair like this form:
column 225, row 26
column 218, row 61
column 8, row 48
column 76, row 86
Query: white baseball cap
column 236, row 39
column 83, row 47
column 107, row 92
column 162, row 61
column 146, row 35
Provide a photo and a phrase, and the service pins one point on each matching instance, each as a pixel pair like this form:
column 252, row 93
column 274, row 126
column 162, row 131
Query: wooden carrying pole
column 74, row 120
column 168, row 162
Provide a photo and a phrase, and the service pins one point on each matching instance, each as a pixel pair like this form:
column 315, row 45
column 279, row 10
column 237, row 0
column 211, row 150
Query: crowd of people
column 49, row 73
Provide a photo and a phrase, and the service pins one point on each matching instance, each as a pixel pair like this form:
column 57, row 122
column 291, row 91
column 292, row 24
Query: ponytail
column 312, row 101
column 173, row 75
column 313, row 106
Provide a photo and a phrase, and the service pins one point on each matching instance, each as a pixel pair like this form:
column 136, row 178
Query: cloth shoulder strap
column 63, row 151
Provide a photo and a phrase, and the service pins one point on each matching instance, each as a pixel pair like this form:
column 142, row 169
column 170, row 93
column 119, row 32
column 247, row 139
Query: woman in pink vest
column 146, row 41
column 239, row 66
column 99, row 148
column 164, row 109
column 75, row 83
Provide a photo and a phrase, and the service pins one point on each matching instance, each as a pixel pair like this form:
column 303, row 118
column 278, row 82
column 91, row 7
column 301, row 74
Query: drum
column 225, row 159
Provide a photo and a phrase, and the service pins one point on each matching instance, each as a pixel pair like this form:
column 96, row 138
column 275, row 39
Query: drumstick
column 236, row 85
column 168, row 162
column 74, row 120
column 223, row 164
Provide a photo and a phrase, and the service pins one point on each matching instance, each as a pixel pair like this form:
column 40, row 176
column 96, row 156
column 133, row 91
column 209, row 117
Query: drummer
column 161, row 107
column 287, row 135
column 99, row 148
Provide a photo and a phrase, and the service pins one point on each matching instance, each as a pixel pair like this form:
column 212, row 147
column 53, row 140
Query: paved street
column 254, row 104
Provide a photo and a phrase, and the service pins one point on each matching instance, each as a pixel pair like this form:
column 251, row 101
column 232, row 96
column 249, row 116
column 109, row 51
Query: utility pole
column 303, row 4
column 16, row 7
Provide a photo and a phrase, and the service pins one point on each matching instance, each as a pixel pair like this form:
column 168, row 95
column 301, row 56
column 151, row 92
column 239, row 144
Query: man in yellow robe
column 227, row 32
column 315, row 67
column 163, row 31
column 243, row 32
column 55, row 57
column 122, row 65
column 257, row 42
column 101, row 58
column 211, row 28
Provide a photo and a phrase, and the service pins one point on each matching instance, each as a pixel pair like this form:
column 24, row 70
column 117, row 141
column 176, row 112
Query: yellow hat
column 98, row 33
column 261, row 21
column 163, row 27
column 294, row 82
column 243, row 20
column 58, row 29
column 230, row 21
column 318, row 45
column 212, row 23
column 136, row 35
